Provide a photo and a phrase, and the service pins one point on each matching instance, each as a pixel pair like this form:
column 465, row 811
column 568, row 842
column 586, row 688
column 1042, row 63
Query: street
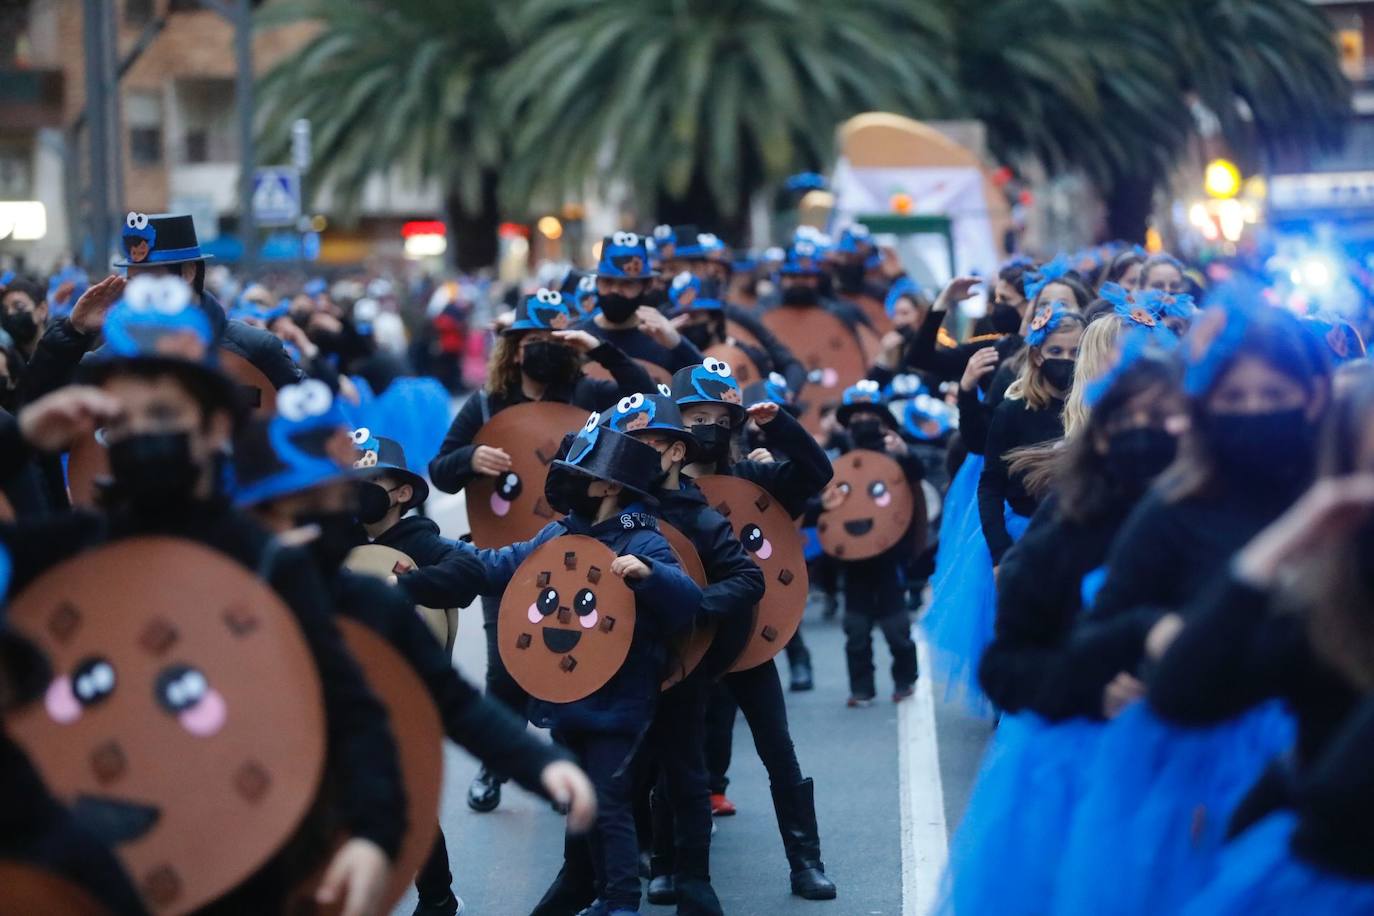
column 503, row 861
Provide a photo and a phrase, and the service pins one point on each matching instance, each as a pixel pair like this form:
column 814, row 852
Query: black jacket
column 947, row 364
column 443, row 574
column 1014, row 424
column 735, row 581
column 27, row 476
column 361, row 753
column 36, row 829
column 1336, row 801
column 802, row 468
column 451, row 470
column 638, row 345
column 975, row 414
column 484, row 728
column 1039, row 600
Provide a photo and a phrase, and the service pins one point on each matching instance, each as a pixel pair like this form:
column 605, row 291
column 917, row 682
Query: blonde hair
column 1097, row 353
column 1031, row 384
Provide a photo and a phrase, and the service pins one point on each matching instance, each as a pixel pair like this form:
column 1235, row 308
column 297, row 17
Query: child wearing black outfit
column 874, row 588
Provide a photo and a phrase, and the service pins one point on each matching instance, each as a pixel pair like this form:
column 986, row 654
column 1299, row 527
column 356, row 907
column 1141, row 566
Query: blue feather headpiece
column 1046, row 274
column 1137, row 343
column 1046, row 322
column 903, row 286
column 1218, row 332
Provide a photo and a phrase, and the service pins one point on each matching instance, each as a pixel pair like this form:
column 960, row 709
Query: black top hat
column 378, row 454
column 163, row 238
column 601, row 453
column 650, row 412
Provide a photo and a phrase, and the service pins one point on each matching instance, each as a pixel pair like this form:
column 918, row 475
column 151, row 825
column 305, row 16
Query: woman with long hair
column 1003, row 855
column 537, row 357
column 1257, row 389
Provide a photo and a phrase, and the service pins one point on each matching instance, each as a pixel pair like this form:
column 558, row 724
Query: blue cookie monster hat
column 805, row 257
column 305, row 444
column 700, row 246
column 690, row 293
column 864, row 394
column 650, row 412
column 927, row 418
column 162, row 238
column 664, row 238
column 601, row 453
column 624, row 256
column 855, row 239
column 374, row 455
column 712, row 382
column 545, row 309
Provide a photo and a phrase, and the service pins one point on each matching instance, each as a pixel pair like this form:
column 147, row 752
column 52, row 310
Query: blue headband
column 1046, row 322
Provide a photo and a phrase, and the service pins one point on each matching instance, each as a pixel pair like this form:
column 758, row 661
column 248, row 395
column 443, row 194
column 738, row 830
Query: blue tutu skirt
column 963, row 610
column 1005, row 855
column 958, row 517
column 1259, row 876
column 1146, row 834
column 413, row 411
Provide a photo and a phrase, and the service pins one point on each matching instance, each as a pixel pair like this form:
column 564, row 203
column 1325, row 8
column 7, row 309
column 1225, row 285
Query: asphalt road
column 502, row 861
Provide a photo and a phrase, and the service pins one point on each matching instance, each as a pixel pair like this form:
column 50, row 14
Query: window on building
column 138, row 12
column 205, row 110
column 143, row 115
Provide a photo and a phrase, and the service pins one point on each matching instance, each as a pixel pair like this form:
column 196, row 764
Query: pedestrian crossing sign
column 276, row 196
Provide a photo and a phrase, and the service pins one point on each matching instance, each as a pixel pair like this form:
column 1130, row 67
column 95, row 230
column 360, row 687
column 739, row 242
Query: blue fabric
column 1005, row 855
column 963, row 608
column 1147, row 833
column 1091, row 585
column 413, row 411
column 1259, row 876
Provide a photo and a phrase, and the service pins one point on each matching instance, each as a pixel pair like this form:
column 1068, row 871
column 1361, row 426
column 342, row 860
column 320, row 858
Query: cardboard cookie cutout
column 382, row 562
column 27, row 890
column 741, row 333
column 184, row 724
column 771, row 539
column 510, row 508
column 876, row 510
column 257, row 393
column 875, row 311
column 419, row 735
column 566, row 620
column 744, row 369
column 829, row 350
column 689, row 648
column 660, row 375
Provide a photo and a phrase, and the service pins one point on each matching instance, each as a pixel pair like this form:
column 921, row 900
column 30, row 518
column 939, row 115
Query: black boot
column 800, row 671
column 696, row 897
column 484, row 794
column 567, row 896
column 796, row 810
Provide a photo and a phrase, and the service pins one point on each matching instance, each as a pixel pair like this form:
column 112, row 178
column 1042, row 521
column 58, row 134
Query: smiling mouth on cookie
column 559, row 640
column 859, row 527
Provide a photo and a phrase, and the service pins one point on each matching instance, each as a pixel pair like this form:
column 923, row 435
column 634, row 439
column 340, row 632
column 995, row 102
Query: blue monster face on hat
column 689, row 293
column 586, row 438
column 163, row 238
column 711, row 382
column 865, row 391
column 156, row 318
column 545, row 309
column 624, row 256
column 804, row 257
column 855, row 239
column 649, row 412
column 310, row 446
column 703, row 246
column 139, row 237
column 631, row 413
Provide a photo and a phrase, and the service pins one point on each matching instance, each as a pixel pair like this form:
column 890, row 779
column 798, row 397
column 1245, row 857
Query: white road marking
column 925, row 838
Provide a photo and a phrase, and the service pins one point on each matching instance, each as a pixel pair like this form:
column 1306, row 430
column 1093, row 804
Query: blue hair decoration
column 1046, row 274
column 1046, row 322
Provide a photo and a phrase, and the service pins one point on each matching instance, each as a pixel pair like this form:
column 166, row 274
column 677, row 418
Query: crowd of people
column 1135, row 512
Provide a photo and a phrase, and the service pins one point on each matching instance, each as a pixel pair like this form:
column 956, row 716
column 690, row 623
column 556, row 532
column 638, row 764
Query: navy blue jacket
column 443, row 575
column 665, row 601
column 801, row 471
column 735, row 583
column 635, row 343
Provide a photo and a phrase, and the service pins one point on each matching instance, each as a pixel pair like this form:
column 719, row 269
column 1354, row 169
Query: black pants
column 758, row 692
column 720, row 736
column 611, row 843
column 796, row 650
column 499, row 682
column 435, row 882
column 676, row 743
column 858, row 650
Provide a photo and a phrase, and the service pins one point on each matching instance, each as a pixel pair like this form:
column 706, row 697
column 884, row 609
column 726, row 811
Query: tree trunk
column 472, row 233
column 698, row 207
column 1130, row 200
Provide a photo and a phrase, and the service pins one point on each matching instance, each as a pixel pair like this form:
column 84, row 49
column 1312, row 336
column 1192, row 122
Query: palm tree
column 699, row 103
column 397, row 84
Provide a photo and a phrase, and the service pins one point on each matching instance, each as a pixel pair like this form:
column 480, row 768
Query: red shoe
column 721, row 806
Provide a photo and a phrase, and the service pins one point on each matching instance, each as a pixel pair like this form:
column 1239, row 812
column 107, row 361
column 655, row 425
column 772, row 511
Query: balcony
column 31, row 98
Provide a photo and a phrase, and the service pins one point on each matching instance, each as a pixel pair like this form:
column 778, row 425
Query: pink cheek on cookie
column 206, row 717
column 588, row 621
column 829, row 378
column 534, row 615
column 766, row 550
column 499, row 505
column 884, row 501
column 61, row 703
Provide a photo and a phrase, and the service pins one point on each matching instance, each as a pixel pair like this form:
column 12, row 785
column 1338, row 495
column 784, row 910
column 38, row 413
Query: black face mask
column 713, row 441
column 867, row 433
column 849, row 277
column 549, row 362
column 22, row 326
column 800, row 295
column 571, row 490
column 374, row 502
column 1135, row 457
column 618, row 308
column 1059, row 373
column 702, row 335
column 1004, row 318
column 1262, row 450
column 152, row 470
column 338, row 536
